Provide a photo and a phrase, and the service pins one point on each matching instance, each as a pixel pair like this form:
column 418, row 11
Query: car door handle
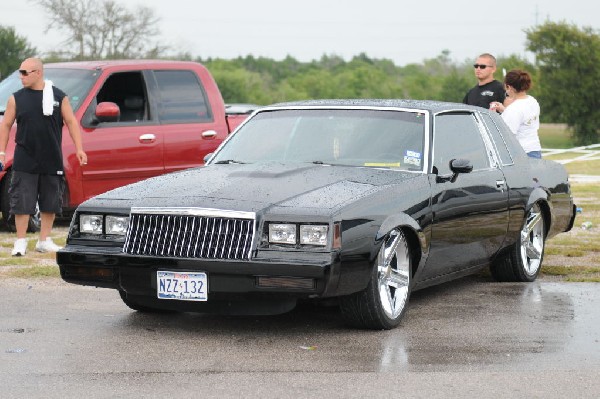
column 500, row 183
column 147, row 138
column 209, row 133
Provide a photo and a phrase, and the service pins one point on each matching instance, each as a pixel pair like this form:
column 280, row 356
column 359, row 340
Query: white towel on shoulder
column 47, row 98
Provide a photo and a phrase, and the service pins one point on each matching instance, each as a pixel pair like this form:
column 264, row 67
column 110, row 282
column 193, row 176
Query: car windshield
column 354, row 137
column 74, row 82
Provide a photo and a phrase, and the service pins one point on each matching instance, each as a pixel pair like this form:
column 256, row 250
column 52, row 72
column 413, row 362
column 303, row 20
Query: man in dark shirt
column 40, row 111
column 488, row 89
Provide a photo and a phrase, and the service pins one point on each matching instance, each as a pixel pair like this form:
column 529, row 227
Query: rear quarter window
column 499, row 141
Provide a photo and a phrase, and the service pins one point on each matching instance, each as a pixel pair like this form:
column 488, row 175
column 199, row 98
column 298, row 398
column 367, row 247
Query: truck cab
column 138, row 119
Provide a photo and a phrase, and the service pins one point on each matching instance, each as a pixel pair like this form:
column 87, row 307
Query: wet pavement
column 466, row 338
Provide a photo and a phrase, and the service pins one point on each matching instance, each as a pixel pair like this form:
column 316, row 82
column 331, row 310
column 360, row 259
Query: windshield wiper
column 228, row 161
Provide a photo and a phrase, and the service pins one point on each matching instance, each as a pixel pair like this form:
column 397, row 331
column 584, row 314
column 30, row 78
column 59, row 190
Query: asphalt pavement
column 469, row 338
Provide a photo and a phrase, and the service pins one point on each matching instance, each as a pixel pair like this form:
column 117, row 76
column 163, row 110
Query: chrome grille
column 190, row 233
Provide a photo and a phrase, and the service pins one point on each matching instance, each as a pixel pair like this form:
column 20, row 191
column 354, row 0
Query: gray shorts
column 27, row 189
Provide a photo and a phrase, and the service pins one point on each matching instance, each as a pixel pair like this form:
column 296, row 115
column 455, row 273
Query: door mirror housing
column 106, row 112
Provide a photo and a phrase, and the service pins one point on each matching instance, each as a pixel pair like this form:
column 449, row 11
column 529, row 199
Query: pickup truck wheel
column 524, row 260
column 9, row 220
column 383, row 303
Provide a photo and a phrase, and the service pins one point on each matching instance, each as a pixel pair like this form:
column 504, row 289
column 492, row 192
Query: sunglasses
column 481, row 66
column 25, row 72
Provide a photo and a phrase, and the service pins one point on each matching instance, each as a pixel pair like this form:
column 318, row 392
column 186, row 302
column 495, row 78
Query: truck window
column 182, row 97
column 127, row 90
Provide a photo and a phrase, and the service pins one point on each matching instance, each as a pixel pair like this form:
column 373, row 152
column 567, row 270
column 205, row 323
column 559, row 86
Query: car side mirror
column 106, row 112
column 458, row 166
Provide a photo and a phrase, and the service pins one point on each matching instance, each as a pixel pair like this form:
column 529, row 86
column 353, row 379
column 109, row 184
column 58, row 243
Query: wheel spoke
column 397, row 279
column 532, row 251
column 390, row 250
column 532, row 223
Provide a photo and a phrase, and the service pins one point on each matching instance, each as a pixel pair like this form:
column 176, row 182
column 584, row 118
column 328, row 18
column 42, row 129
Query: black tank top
column 39, row 137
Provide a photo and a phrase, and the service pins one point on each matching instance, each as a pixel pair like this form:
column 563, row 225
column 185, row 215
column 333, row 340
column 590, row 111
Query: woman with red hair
column 522, row 115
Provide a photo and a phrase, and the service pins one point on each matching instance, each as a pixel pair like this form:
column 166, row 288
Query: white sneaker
column 47, row 246
column 20, row 247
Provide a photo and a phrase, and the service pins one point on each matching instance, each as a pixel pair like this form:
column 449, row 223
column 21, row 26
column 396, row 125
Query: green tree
column 238, row 85
column 569, row 71
column 13, row 50
column 455, row 86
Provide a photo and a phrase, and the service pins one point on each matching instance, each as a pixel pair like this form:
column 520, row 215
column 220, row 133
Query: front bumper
column 297, row 274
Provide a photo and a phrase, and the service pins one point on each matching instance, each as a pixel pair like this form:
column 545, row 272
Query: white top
column 523, row 118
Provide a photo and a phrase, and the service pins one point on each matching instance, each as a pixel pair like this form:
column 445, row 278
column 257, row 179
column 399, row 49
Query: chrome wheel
column 393, row 274
column 383, row 302
column 532, row 241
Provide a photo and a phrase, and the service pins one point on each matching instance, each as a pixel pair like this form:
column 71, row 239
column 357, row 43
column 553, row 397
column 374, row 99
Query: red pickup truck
column 138, row 119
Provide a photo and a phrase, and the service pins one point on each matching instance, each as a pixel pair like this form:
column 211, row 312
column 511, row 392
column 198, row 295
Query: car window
column 499, row 141
column 456, row 135
column 372, row 138
column 182, row 97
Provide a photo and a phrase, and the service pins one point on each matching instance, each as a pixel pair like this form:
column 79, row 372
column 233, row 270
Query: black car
column 359, row 200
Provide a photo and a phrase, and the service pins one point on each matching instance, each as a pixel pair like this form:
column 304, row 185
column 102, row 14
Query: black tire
column 132, row 304
column 9, row 220
column 383, row 303
column 523, row 261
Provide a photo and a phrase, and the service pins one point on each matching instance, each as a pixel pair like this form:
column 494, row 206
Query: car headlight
column 91, row 224
column 116, row 225
column 103, row 224
column 313, row 234
column 281, row 233
column 298, row 234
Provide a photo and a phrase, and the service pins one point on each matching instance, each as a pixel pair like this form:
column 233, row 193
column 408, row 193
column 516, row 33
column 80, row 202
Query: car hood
column 252, row 187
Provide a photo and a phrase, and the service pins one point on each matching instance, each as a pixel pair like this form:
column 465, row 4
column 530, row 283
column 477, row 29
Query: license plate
column 182, row 285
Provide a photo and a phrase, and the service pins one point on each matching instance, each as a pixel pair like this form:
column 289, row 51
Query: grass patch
column 555, row 135
column 588, row 167
column 15, row 261
column 568, row 252
column 60, row 241
column 566, row 270
column 35, row 271
column 585, row 189
column 559, row 136
column 588, row 244
column 574, row 256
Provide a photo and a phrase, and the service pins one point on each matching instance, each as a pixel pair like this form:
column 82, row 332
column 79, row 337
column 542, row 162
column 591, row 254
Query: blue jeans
column 535, row 154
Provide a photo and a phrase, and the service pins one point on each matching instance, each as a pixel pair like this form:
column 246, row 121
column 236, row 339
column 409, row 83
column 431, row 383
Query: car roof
column 427, row 105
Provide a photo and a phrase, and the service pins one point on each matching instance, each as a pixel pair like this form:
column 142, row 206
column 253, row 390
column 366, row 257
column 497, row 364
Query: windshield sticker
column 412, row 158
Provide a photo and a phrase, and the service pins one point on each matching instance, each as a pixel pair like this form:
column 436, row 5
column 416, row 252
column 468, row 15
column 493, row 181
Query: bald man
column 40, row 111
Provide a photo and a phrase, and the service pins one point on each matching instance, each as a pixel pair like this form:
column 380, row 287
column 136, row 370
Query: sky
column 402, row 31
